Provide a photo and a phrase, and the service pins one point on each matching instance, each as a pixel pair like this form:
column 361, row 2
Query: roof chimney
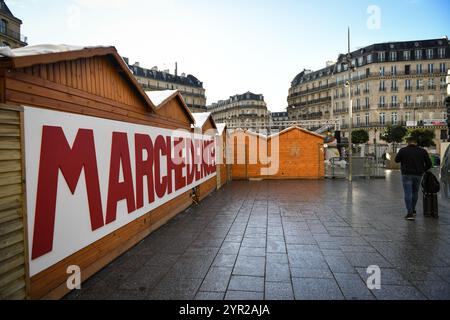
column 176, row 68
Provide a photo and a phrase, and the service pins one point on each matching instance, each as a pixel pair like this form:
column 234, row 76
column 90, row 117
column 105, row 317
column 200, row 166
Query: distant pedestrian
column 384, row 158
column 415, row 161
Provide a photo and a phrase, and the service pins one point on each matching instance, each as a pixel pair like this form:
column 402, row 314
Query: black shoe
column 410, row 217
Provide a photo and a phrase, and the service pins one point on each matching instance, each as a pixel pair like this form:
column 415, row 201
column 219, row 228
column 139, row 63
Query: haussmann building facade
column 397, row 83
column 245, row 111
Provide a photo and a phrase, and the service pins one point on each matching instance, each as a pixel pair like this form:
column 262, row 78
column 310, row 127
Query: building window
column 3, row 25
column 394, row 70
column 408, row 84
column 430, row 68
column 367, row 119
column 394, row 118
column 430, row 53
column 382, row 71
column 394, row 101
column 393, row 56
column 381, row 56
column 360, row 61
column 382, row 85
column 419, row 69
column 419, row 100
column 369, row 58
column 407, row 69
column 394, row 86
column 358, row 120
column 418, row 54
column 408, row 116
column 367, row 104
column 382, row 101
column 441, row 53
column 406, row 55
column 408, row 100
column 442, row 68
column 431, row 85
column 382, row 118
column 419, row 84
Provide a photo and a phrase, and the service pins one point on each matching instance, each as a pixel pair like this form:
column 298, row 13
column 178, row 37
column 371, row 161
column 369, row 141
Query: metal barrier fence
column 363, row 167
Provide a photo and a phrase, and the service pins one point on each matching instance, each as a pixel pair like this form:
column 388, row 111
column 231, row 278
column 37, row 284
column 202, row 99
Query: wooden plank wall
column 209, row 186
column 12, row 219
column 85, row 86
column 222, row 169
column 239, row 145
column 92, row 87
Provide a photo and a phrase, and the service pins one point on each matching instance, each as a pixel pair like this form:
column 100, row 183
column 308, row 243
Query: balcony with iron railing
column 312, row 90
column 341, row 111
column 372, row 75
column 386, row 106
column 374, row 124
column 14, row 35
column 310, row 102
column 414, row 105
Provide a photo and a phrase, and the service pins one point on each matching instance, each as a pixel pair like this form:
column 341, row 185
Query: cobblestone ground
column 284, row 240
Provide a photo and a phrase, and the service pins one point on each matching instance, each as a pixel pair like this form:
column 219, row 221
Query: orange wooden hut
column 301, row 154
column 294, row 153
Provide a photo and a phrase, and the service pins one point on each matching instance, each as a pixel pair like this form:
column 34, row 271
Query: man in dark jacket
column 415, row 162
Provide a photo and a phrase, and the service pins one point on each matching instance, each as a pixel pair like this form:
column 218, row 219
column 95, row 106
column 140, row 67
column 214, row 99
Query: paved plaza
column 285, row 240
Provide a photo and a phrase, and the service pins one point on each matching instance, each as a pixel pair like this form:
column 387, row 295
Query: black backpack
column 430, row 184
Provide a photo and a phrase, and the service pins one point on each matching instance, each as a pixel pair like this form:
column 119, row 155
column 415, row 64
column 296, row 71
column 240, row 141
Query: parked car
column 445, row 173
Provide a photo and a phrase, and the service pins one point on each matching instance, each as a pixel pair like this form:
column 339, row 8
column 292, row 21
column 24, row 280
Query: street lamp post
column 350, row 108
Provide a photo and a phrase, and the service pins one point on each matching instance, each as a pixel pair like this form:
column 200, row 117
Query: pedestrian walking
column 415, row 161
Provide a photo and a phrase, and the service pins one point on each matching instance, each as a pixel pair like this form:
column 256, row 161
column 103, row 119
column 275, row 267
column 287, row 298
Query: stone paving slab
column 284, row 240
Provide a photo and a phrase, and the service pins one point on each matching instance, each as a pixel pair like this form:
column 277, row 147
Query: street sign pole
column 350, row 113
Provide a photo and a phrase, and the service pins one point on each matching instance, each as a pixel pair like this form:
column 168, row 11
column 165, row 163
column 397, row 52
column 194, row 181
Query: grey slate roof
column 5, row 10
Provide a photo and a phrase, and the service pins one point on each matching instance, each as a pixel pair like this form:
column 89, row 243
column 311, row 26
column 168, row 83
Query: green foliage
column 424, row 137
column 360, row 136
column 394, row 134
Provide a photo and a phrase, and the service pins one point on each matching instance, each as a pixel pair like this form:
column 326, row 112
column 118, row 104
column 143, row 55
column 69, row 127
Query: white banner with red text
column 87, row 177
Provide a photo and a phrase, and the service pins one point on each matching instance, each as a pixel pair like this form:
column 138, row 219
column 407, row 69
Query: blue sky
column 233, row 46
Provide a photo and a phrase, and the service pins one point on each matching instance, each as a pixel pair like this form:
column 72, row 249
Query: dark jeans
column 411, row 186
